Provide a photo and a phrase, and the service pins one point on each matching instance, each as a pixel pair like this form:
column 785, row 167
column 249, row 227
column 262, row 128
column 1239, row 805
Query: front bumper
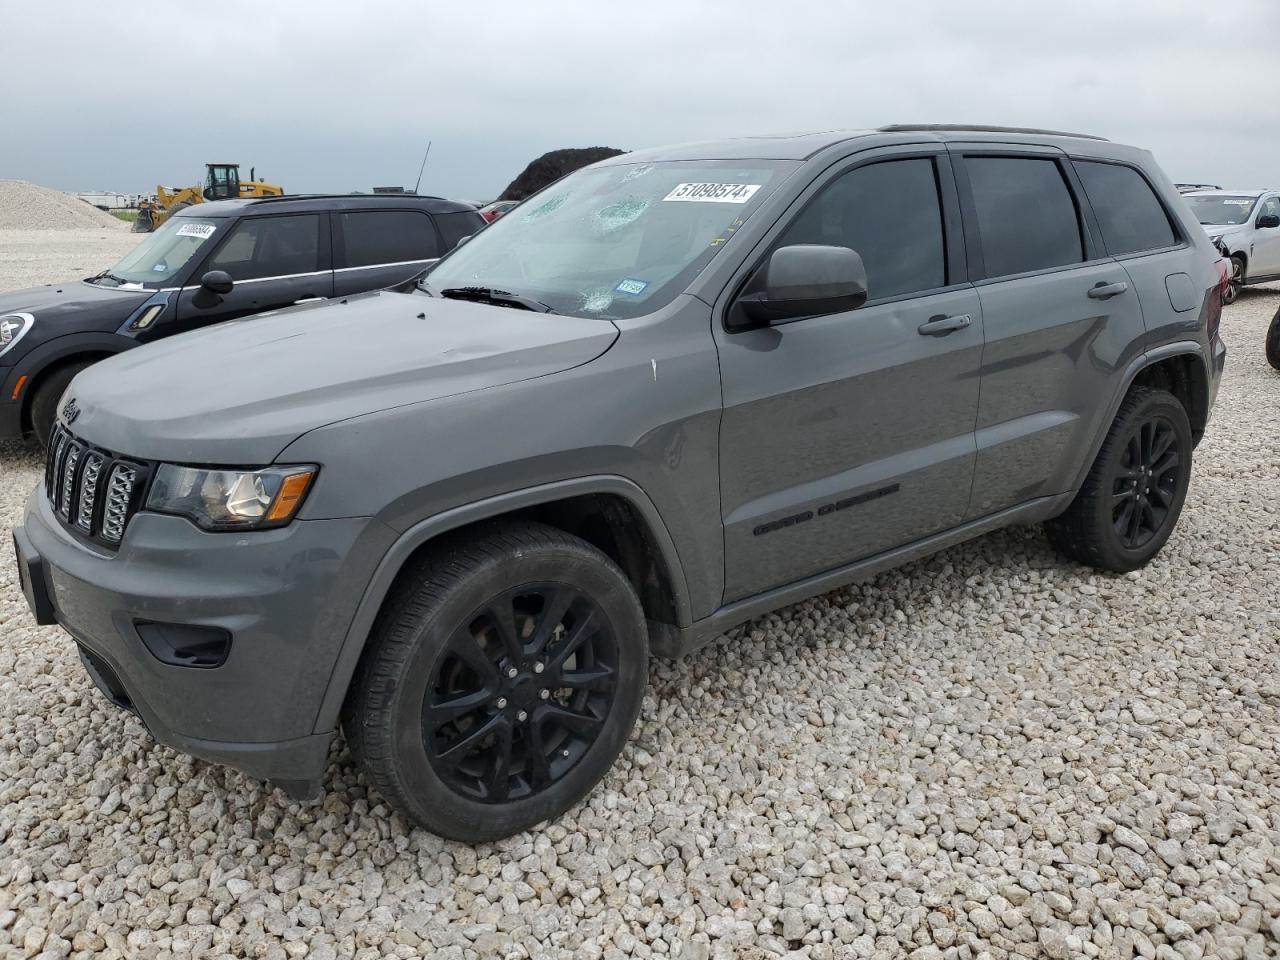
column 285, row 596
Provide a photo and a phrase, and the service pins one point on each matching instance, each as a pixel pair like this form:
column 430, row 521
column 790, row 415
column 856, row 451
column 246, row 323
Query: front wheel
column 502, row 680
column 1130, row 501
column 45, row 395
column 1273, row 341
column 1235, row 283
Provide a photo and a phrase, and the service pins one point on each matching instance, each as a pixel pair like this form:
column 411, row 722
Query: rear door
column 275, row 261
column 1060, row 319
column 379, row 248
column 847, row 434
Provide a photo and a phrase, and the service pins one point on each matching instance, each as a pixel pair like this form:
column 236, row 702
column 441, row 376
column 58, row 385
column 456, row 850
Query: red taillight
column 1213, row 300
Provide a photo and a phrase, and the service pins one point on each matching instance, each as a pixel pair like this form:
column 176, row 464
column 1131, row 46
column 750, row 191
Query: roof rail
column 339, row 196
column 978, row 128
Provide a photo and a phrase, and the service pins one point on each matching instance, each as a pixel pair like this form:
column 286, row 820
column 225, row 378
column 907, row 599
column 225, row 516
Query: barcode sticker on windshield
column 202, row 230
column 713, row 192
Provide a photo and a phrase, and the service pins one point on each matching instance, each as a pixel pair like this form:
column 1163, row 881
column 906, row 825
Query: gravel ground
column 32, row 257
column 990, row 753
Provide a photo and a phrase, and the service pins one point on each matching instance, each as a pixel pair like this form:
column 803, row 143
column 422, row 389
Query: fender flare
column 1136, row 366
column 422, row 532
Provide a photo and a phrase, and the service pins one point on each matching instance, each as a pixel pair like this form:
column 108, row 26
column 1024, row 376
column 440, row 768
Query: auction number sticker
column 202, row 230
column 1238, row 203
column 713, row 192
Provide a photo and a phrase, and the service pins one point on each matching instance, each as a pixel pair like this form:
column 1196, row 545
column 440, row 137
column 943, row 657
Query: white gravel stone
column 912, row 767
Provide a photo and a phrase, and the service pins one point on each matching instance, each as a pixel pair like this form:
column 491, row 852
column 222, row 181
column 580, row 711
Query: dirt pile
column 551, row 166
column 25, row 206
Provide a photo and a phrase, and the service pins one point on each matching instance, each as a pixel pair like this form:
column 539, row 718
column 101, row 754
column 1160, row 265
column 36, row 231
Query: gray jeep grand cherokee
column 670, row 392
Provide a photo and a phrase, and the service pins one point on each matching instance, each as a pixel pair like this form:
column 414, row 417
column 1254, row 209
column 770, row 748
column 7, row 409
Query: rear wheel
column 501, row 682
column 1130, row 502
column 1273, row 341
column 45, row 396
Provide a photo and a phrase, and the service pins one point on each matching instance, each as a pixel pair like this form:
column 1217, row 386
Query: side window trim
column 956, row 272
column 1179, row 235
column 1091, row 247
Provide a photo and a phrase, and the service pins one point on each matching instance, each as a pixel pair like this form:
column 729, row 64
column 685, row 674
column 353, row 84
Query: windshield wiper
column 501, row 298
column 108, row 275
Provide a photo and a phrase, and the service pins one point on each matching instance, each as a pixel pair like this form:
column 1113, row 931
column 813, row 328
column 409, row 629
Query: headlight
column 231, row 499
column 13, row 327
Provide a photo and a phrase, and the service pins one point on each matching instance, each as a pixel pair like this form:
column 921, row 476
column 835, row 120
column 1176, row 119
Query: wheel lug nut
column 512, row 672
column 564, row 753
column 522, row 716
column 502, row 703
column 545, row 693
column 539, row 667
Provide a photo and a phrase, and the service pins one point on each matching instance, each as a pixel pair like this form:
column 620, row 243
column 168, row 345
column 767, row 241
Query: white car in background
column 1246, row 223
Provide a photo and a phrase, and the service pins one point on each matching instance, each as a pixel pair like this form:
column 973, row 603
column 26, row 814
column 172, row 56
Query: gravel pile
column 26, row 206
column 987, row 754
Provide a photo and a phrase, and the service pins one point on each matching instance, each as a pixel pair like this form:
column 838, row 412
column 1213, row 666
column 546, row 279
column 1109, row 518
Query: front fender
column 433, row 527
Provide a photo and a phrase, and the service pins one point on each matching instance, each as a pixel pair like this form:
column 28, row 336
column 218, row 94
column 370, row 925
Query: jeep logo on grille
column 70, row 411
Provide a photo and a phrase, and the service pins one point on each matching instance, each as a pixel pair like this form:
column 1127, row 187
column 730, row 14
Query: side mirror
column 213, row 285
column 217, row 281
column 807, row 280
column 1268, row 221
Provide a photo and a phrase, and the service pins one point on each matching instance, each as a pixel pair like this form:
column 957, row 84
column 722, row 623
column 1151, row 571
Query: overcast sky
column 334, row 97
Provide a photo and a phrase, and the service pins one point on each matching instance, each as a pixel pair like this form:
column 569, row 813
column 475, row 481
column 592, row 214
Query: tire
column 1235, row 282
column 45, row 396
column 433, row 708
column 1273, row 341
column 1099, row 528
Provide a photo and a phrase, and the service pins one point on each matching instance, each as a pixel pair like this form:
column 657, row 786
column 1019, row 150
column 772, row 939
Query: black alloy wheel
column 1129, row 503
column 1146, row 484
column 521, row 693
column 501, row 681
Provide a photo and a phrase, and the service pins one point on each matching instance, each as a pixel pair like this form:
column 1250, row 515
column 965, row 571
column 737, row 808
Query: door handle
column 940, row 326
column 1105, row 291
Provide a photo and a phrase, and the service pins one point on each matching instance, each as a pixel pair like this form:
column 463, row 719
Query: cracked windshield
column 613, row 242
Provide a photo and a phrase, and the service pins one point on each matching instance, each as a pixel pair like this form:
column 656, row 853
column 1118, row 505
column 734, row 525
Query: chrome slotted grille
column 92, row 491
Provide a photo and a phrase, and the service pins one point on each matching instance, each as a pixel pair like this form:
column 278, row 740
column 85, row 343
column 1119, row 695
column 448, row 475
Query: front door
column 845, row 435
column 1266, row 242
column 275, row 262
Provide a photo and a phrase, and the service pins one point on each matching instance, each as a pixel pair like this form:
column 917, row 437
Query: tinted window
column 1026, row 216
column 1129, row 215
column 890, row 214
column 455, row 226
column 387, row 236
column 270, row 247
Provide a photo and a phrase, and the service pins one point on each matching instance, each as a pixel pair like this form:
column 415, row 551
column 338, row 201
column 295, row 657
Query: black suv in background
column 211, row 262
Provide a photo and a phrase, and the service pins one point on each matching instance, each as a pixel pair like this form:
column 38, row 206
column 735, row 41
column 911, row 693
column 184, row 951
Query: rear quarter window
column 1129, row 214
column 455, row 226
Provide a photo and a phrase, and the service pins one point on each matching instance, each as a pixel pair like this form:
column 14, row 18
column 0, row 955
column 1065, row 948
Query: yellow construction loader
column 221, row 182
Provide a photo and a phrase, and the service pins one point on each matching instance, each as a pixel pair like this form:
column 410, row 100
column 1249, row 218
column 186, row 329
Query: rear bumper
column 285, row 597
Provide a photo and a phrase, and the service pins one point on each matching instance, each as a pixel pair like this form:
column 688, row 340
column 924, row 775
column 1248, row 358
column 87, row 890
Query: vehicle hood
column 240, row 392
column 56, row 302
column 1223, row 229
